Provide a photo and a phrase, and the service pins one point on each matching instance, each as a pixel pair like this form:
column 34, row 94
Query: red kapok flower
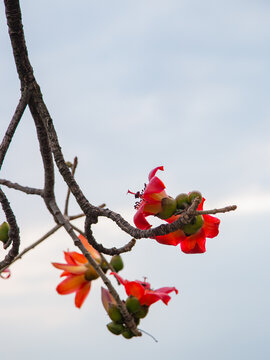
column 151, row 204
column 79, row 273
column 142, row 291
column 151, row 198
column 195, row 243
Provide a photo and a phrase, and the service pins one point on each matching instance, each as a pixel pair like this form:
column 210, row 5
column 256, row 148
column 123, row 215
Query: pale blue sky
column 130, row 86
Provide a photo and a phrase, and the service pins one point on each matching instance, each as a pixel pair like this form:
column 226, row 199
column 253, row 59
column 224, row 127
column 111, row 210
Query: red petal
column 70, row 284
column 153, row 172
column 166, row 290
column 134, row 288
column 71, row 269
column 151, row 297
column 82, row 293
column 107, row 298
column 173, row 238
column 78, row 258
column 194, row 244
column 210, row 226
column 200, row 207
column 69, row 259
column 118, row 277
column 93, row 252
column 139, row 219
column 155, row 186
column 8, row 273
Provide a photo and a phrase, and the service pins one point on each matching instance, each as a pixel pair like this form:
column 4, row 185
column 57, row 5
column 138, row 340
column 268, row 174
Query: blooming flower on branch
column 153, row 202
column 78, row 272
column 143, row 292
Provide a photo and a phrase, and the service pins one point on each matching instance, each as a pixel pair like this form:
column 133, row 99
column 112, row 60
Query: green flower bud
column 133, row 305
column 182, row 201
column 142, row 312
column 4, row 229
column 115, row 314
column 193, row 195
column 127, row 333
column 115, row 328
column 117, row 263
column 104, row 266
column 194, row 226
column 168, row 208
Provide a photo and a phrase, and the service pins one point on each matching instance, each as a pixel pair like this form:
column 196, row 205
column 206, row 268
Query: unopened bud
column 127, row 333
column 168, row 207
column 133, row 304
column 193, row 195
column 4, row 229
column 117, row 263
column 114, row 313
column 115, row 328
column 194, row 226
column 182, row 201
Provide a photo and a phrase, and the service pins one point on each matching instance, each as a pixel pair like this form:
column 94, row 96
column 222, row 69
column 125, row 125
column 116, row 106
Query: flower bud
column 104, row 266
column 193, row 194
column 194, row 226
column 114, row 313
column 4, row 229
column 127, row 333
column 115, row 328
column 117, row 263
column 133, row 304
column 168, row 207
column 142, row 312
column 182, row 201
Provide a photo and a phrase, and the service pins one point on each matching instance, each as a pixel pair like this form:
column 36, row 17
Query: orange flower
column 79, row 273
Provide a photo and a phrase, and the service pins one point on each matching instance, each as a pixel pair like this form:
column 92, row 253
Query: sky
column 131, row 86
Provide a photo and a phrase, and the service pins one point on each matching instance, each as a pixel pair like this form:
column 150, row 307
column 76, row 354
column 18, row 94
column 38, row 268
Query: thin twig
column 25, row 189
column 216, row 211
column 13, row 124
column 74, row 165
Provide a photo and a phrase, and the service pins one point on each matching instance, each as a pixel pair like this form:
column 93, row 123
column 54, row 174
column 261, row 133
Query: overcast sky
column 131, row 86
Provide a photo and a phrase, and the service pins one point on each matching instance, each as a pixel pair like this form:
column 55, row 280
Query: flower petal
column 155, row 186
column 70, row 284
column 151, row 297
column 167, row 290
column 69, row 259
column 139, row 219
column 194, row 244
column 8, row 273
column 173, row 238
column 153, row 172
column 210, row 226
column 72, row 269
column 93, row 252
column 135, row 289
column 82, row 293
column 119, row 278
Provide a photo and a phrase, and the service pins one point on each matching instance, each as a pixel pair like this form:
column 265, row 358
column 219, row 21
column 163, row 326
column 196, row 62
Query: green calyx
column 117, row 263
column 168, row 208
column 127, row 333
column 194, row 226
column 4, row 229
column 133, row 304
column 182, row 201
column 115, row 314
column 115, row 328
column 142, row 312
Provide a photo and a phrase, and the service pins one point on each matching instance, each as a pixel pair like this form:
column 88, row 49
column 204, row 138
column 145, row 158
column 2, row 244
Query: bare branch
column 74, row 166
column 216, row 211
column 25, row 189
column 13, row 125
